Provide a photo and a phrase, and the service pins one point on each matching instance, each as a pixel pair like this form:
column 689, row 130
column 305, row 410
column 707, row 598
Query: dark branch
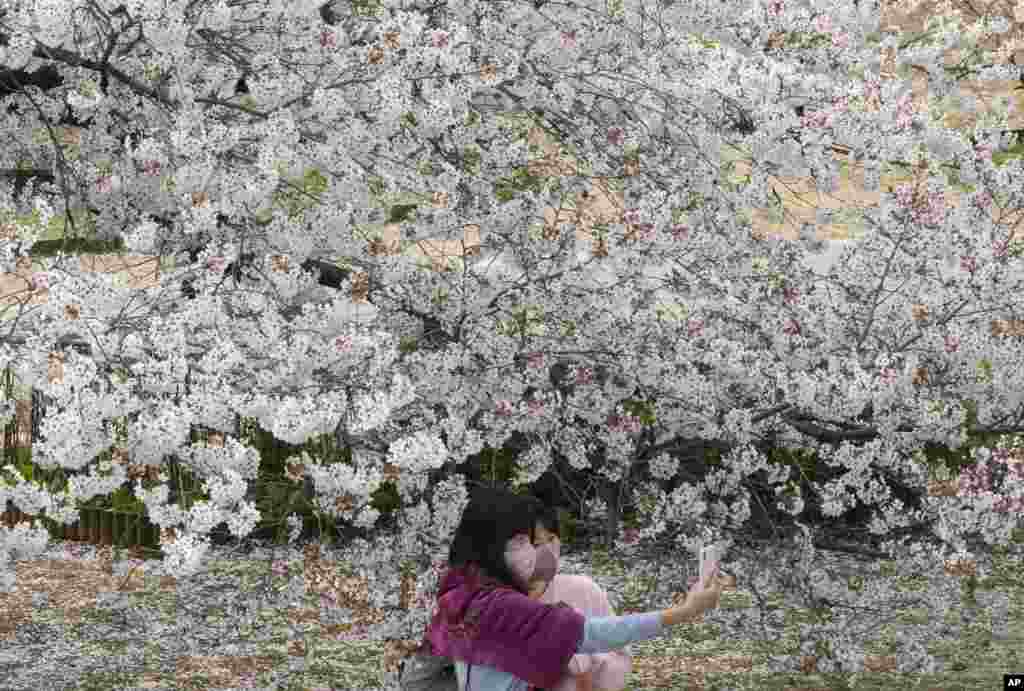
column 809, row 426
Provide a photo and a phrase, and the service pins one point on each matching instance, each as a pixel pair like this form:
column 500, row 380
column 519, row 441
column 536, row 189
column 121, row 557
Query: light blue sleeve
column 489, row 678
column 605, row 634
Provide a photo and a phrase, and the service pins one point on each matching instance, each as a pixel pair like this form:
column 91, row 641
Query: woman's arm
column 604, row 634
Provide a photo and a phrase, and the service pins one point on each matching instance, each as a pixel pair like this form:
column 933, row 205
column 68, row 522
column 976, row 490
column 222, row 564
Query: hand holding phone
column 710, row 554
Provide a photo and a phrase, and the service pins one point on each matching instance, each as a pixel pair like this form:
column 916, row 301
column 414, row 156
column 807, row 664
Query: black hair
column 548, row 517
column 490, row 519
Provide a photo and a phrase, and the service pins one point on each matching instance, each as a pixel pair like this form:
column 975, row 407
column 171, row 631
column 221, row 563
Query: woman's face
column 542, row 536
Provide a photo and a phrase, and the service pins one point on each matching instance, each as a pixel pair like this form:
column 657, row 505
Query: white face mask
column 521, row 557
column 546, row 564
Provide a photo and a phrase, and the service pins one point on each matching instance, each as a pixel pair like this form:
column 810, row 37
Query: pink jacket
column 582, row 594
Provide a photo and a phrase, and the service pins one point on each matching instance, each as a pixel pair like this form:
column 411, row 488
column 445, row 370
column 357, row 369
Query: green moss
column 497, row 465
column 407, row 345
column 644, row 410
column 507, row 188
column 408, row 120
column 366, row 8
column 51, row 248
column 401, row 212
column 471, row 160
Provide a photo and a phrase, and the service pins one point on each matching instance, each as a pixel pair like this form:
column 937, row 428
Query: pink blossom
column 646, row 231
column 343, row 343
column 215, row 264
column 440, row 39
column 873, row 89
column 630, row 535
column 616, row 135
column 535, row 360
column 818, row 118
column 982, row 152
column 975, row 480
column 680, row 232
column 968, row 264
column 328, row 39
column 888, row 375
column 983, row 199
column 823, row 24
column 503, row 408
column 623, row 423
column 535, row 407
column 569, row 39
column 775, row 7
column 631, row 216
column 841, row 40
column 1008, row 505
column 695, row 327
column 1000, row 248
column 151, row 167
column 905, row 196
column 904, row 111
column 584, row 375
column 934, row 211
column 792, row 327
column 790, row 295
column 39, row 281
column 952, row 344
column 105, row 184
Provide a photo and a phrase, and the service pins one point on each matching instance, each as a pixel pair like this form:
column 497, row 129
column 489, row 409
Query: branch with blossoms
column 745, row 317
column 810, row 426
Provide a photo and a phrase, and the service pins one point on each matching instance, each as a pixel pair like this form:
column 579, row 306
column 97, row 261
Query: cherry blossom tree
column 726, row 335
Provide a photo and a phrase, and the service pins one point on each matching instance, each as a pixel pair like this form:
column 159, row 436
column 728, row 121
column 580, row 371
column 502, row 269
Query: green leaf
column 401, row 212
column 314, row 182
column 644, row 410
column 125, row 501
column 471, row 160
column 408, row 120
column 377, row 186
column 408, row 344
column 1001, row 157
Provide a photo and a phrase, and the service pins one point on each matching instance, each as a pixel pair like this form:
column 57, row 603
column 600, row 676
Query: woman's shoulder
column 577, row 586
column 577, row 580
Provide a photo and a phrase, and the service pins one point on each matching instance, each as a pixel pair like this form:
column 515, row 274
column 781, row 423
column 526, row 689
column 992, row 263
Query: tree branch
column 809, row 426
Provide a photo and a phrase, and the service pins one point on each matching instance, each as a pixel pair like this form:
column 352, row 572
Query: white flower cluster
column 333, row 482
column 176, row 173
column 532, row 464
column 418, row 452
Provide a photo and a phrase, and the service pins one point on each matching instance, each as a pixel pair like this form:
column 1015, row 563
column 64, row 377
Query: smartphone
column 709, row 556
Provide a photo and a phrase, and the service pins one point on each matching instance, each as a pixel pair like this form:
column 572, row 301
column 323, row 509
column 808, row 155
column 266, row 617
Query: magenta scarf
column 482, row 622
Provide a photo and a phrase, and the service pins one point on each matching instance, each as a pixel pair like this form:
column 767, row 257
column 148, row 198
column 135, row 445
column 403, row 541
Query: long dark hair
column 548, row 517
column 490, row 519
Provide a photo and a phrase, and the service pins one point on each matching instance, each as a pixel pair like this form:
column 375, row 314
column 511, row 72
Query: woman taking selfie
column 596, row 672
column 500, row 638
